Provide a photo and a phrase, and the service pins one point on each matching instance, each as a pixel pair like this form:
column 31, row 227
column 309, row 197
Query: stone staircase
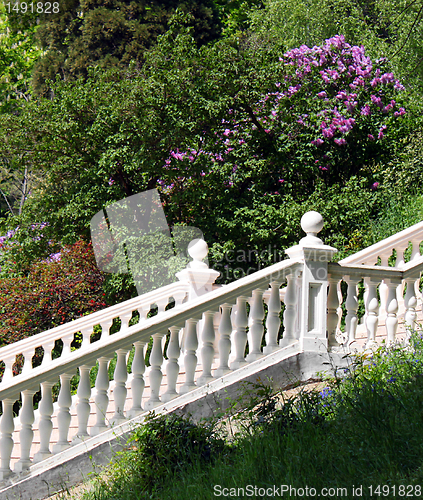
column 210, row 329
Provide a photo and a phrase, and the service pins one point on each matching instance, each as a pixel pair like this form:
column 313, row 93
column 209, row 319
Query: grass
column 361, row 431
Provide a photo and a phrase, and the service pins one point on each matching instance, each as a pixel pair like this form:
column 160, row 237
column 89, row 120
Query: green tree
column 165, row 125
column 18, row 54
column 87, row 33
column 391, row 29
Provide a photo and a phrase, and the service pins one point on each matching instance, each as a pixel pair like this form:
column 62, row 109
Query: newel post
column 197, row 273
column 314, row 283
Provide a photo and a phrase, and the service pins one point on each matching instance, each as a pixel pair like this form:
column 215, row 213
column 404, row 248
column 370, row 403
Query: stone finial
column 311, row 224
column 198, row 250
column 197, row 273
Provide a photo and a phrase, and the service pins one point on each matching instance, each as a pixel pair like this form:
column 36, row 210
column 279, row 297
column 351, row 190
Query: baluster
column 48, row 352
column 352, row 306
column 333, row 316
column 415, row 254
column 273, row 321
column 400, row 249
column 63, row 417
column 256, row 328
column 392, row 309
column 8, row 368
column 207, row 351
column 372, row 311
column 143, row 312
column 86, row 336
column 290, row 312
column 27, row 365
column 137, row 384
column 7, row 427
column 410, row 307
column 125, row 318
column 105, row 327
column 101, row 398
column 119, row 392
column 46, row 425
column 172, row 367
column 26, row 435
column 67, row 341
column 155, row 375
column 190, row 359
column 225, row 330
column 179, row 297
column 240, row 336
column 83, row 405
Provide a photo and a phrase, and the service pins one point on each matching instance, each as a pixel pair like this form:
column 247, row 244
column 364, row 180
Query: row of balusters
column 386, row 294
column 236, row 328
column 22, row 362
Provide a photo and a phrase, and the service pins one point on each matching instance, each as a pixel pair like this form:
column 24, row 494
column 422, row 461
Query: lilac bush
column 330, row 112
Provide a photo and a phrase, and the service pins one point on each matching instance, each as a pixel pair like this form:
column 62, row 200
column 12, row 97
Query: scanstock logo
column 132, row 236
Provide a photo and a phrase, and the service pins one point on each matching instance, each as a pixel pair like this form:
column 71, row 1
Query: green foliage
column 390, row 29
column 158, row 451
column 364, row 428
column 114, row 135
column 18, row 54
column 89, row 33
column 235, row 13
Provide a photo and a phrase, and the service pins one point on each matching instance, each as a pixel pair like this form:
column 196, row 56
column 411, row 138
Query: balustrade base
column 237, row 364
column 268, row 349
column 220, row 372
column 134, row 412
column 22, row 465
column 40, row 456
column 313, row 344
column 204, row 379
column 5, row 473
column 117, row 419
column 98, row 429
column 253, row 356
column 79, row 438
column 58, row 447
column 150, row 404
column 286, row 342
column 187, row 388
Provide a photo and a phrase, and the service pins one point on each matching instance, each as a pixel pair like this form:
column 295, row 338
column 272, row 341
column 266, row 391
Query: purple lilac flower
column 54, row 257
column 340, row 142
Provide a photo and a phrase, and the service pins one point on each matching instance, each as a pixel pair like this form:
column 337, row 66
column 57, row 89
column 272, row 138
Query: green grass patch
column 363, row 430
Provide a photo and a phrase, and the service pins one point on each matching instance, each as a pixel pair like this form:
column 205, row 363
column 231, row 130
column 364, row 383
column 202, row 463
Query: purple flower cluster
column 331, row 96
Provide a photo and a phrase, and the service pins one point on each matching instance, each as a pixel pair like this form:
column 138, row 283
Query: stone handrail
column 209, row 333
column 85, row 325
column 383, row 249
column 391, row 280
column 196, row 317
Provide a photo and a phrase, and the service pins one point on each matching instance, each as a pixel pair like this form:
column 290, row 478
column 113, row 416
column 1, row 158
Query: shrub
column 54, row 292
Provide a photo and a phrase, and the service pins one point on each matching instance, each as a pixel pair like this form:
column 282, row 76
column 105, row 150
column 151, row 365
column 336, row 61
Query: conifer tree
column 109, row 33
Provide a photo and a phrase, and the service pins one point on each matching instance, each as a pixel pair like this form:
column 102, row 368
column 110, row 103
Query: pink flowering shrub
column 54, row 292
column 329, row 112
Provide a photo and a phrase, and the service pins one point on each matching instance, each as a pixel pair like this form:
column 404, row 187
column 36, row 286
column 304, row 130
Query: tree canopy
column 242, row 128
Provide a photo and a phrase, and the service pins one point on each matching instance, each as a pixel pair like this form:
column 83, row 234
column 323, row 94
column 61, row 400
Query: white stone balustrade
column 176, row 292
column 307, row 284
